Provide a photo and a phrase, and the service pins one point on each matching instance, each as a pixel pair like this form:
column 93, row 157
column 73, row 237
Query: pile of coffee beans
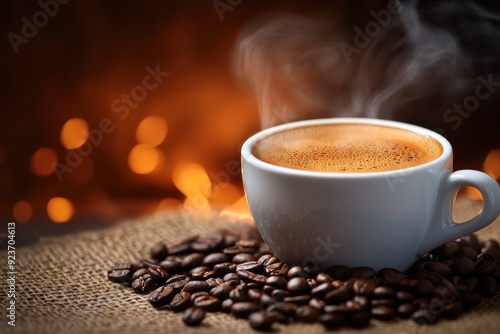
column 223, row 273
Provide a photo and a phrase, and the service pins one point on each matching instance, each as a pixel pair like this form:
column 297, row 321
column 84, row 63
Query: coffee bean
column 359, row 272
column 143, row 284
column 323, row 278
column 382, row 312
column 159, row 275
column 312, row 268
column 207, row 303
column 432, row 277
column 298, row 285
column 276, row 282
column 193, row 316
column 468, row 252
column 438, row 268
column 195, row 286
column 244, row 257
column 404, row 296
column 234, row 250
column 177, row 282
column 471, row 299
column 260, row 320
column 243, row 309
column 180, row 249
column 382, row 302
column 279, row 294
column 424, row 316
column 161, row 296
column 214, row 258
column 288, row 309
column 195, row 295
column 172, row 267
column 221, row 291
column 463, row 266
column 487, row 286
column 317, row 303
column 277, row 269
column 278, row 316
column 471, row 240
column 321, row 290
column 486, row 263
column 210, row 243
column 339, row 295
column 266, row 300
column 359, row 319
column 449, row 250
column 396, row 280
column 384, row 292
column 297, row 271
column 231, row 277
column 248, row 276
column 140, row 272
column 239, row 294
column 307, row 313
column 180, row 301
column 225, row 306
column 364, row 286
column 297, row 299
column 159, row 251
column 252, row 266
column 267, row 260
column 405, row 310
column 121, row 273
column 424, row 287
column 332, row 320
column 192, row 260
column 453, row 310
column 337, row 272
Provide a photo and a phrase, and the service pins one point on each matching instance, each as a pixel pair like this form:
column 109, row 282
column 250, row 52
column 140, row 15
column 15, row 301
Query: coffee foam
column 347, row 148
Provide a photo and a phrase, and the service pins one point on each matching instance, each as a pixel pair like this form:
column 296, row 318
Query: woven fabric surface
column 62, row 285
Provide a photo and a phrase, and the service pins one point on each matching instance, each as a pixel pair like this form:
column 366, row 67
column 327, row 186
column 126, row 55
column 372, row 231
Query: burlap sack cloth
column 62, row 286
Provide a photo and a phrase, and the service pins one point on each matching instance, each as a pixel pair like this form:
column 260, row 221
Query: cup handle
column 443, row 229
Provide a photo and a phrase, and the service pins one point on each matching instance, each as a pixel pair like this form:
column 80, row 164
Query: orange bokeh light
column 22, row 211
column 60, row 209
column 152, row 130
column 74, row 133
column 43, row 160
column 145, row 159
column 491, row 164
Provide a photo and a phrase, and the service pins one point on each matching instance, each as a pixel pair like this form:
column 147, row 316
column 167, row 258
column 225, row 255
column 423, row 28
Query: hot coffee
column 347, row 147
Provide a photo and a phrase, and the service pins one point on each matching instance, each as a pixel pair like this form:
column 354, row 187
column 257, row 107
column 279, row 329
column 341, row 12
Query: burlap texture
column 62, row 286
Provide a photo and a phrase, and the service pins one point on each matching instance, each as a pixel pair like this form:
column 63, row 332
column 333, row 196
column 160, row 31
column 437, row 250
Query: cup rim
column 247, row 155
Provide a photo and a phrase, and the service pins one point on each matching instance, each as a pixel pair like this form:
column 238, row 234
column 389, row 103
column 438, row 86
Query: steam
column 302, row 68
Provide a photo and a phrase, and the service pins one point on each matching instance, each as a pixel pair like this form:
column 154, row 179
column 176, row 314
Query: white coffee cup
column 376, row 219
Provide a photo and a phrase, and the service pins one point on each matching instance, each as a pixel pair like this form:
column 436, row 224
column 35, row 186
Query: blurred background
column 116, row 109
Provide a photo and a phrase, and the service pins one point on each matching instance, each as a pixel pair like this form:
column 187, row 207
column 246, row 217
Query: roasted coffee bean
column 139, row 272
column 213, row 282
column 424, row 316
column 243, row 309
column 471, row 240
column 307, row 313
column 471, row 299
column 267, row 260
column 209, row 243
column 180, row 301
column 312, row 268
column 221, row 291
column 266, row 300
column 359, row 272
column 143, row 284
column 195, row 295
column 404, row 296
column 193, row 316
column 317, row 303
column 239, row 294
column 234, row 250
column 332, row 320
column 396, row 280
column 279, row 294
column 180, row 249
column 490, row 243
column 145, row 263
column 231, row 277
column 323, row 278
column 297, row 271
column 207, row 303
column 195, row 286
column 244, row 257
column 467, row 252
column 337, row 272
column 297, row 299
column 382, row 312
column 432, row 277
column 438, row 268
column 177, row 282
column 288, row 309
column 214, row 258
column 359, row 319
column 384, row 292
column 171, row 266
column 226, row 304
column 159, row 251
column 161, row 296
column 121, row 273
column 453, row 310
column 405, row 310
column 487, row 286
column 424, row 287
column 252, row 266
column 192, row 260
column 254, row 294
column 486, row 263
column 382, row 302
column 248, row 243
column 277, row 269
column 463, row 266
column 222, row 269
column 276, row 282
column 340, row 295
column 267, row 289
column 312, row 283
column 321, row 290
column 449, row 250
column 278, row 316
column 260, row 320
column 364, row 286
column 159, row 275
column 248, row 276
column 298, row 285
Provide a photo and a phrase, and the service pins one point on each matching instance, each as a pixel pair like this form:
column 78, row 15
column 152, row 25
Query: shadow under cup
column 357, row 208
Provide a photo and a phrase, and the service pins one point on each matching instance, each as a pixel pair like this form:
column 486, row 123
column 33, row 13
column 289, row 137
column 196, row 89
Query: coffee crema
column 347, row 148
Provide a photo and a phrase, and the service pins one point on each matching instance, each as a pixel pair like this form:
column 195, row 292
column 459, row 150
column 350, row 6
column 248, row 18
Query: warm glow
column 151, row 131
column 144, row 159
column 74, row 133
column 192, row 180
column 239, row 210
column 491, row 164
column 224, row 194
column 168, row 204
column 60, row 210
column 42, row 161
column 22, row 211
